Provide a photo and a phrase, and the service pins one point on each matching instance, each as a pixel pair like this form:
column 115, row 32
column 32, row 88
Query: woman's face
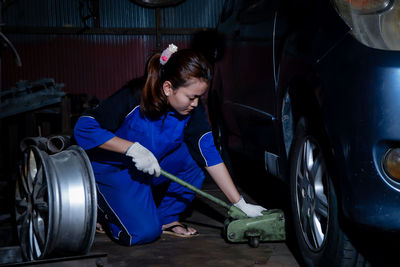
column 185, row 98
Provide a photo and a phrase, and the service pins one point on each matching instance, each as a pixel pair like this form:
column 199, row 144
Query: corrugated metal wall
column 94, row 64
column 193, row 14
column 113, row 13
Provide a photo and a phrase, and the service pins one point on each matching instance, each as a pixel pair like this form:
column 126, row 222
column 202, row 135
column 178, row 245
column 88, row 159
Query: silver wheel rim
column 312, row 194
column 220, row 140
column 56, row 204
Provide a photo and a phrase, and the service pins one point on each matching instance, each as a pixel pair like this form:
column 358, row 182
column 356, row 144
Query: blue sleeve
column 208, row 150
column 89, row 134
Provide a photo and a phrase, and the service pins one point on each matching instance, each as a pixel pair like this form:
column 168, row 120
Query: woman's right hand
column 143, row 158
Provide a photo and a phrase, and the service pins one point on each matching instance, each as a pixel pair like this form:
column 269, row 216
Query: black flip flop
column 169, row 231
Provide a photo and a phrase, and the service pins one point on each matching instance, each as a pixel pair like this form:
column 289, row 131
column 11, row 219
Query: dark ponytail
column 181, row 66
column 153, row 102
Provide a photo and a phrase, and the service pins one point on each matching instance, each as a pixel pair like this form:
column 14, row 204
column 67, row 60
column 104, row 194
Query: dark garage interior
column 60, row 58
column 330, row 176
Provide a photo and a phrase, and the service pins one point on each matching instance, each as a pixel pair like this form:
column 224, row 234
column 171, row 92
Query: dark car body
column 288, row 61
column 363, row 125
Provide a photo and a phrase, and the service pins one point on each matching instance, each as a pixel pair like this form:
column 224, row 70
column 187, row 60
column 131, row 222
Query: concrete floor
column 207, row 249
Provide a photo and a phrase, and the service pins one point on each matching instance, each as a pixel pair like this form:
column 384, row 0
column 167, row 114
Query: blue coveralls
column 125, row 196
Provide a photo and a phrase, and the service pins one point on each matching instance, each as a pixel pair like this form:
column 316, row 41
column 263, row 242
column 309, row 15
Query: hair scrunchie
column 167, row 53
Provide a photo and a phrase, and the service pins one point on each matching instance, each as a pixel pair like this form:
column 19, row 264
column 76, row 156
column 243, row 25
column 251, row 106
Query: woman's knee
column 147, row 234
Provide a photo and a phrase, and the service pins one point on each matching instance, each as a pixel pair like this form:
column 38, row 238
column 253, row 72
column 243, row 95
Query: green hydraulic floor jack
column 239, row 228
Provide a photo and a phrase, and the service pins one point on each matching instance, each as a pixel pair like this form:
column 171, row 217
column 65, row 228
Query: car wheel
column 220, row 140
column 319, row 237
column 55, row 203
column 218, row 129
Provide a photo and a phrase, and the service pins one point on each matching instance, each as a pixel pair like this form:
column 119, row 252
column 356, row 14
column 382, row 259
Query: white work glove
column 250, row 209
column 143, row 158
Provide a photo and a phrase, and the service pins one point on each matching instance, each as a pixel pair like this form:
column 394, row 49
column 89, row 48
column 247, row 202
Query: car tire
column 320, row 240
column 220, row 141
column 218, row 129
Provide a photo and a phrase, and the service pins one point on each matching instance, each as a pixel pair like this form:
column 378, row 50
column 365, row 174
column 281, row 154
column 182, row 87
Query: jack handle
column 233, row 212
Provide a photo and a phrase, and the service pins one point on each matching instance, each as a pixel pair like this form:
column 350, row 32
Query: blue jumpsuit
column 125, row 197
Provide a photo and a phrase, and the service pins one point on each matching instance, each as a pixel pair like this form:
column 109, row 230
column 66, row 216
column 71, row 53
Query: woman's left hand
column 250, row 209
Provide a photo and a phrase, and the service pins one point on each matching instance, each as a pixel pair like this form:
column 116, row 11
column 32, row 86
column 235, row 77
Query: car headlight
column 391, row 163
column 375, row 23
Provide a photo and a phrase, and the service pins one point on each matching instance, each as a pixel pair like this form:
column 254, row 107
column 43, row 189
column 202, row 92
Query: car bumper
column 361, row 110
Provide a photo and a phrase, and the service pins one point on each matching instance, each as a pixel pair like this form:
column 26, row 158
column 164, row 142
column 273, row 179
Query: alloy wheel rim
column 219, row 140
column 32, row 206
column 312, row 194
column 55, row 203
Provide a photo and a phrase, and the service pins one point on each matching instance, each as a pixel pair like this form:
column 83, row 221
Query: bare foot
column 99, row 228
